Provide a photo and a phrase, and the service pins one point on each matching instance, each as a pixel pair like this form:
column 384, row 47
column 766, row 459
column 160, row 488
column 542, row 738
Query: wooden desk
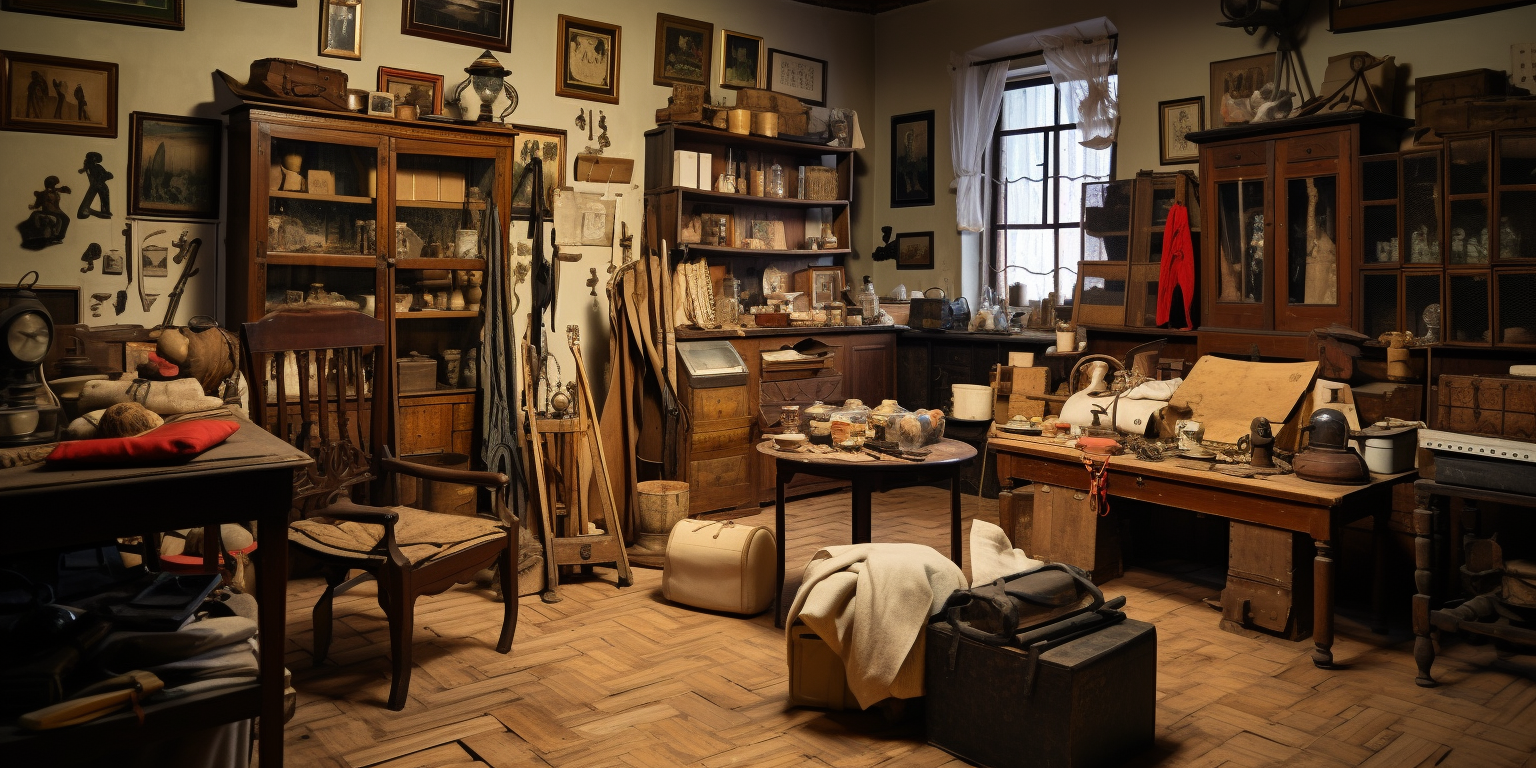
column 248, row 477
column 946, row 459
column 1286, row 502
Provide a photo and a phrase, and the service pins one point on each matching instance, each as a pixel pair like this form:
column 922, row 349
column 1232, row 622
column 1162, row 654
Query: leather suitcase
column 1087, row 702
column 719, row 566
column 293, row 82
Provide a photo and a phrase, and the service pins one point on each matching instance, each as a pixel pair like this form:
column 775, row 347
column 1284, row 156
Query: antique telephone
column 29, row 413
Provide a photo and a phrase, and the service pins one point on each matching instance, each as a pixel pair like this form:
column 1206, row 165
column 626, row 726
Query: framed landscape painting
column 914, row 250
column 587, row 60
column 421, row 89
column 51, row 94
column 168, row 14
column 174, row 166
column 475, row 23
column 682, row 50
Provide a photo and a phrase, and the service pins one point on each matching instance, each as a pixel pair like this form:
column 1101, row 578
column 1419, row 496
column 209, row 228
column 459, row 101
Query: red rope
column 1098, row 484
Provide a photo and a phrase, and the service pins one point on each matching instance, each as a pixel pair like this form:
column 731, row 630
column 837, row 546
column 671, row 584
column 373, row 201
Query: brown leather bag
column 293, row 82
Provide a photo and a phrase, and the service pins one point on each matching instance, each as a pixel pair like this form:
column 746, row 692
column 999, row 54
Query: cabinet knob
column 1309, row 150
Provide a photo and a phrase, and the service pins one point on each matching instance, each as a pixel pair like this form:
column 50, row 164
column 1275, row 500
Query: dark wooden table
column 248, row 477
column 1284, row 501
column 945, row 461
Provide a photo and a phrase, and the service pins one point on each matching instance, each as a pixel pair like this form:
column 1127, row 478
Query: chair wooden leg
column 507, row 564
column 400, row 626
column 322, row 614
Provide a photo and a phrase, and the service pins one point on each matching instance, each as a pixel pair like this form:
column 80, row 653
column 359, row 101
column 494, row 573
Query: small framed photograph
column 1175, row 119
column 475, row 23
column 822, row 285
column 173, row 166
column 682, row 50
column 803, row 77
column 1232, row 82
column 547, row 144
column 912, row 159
column 741, row 60
column 341, row 28
column 167, row 14
column 419, row 89
column 914, row 250
column 587, row 60
column 50, row 94
column 381, row 104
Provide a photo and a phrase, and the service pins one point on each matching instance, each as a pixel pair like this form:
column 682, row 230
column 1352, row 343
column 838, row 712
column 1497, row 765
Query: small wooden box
column 1457, row 87
column 1065, row 529
column 1269, row 581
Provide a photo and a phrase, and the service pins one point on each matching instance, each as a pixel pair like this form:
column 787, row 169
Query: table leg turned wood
column 955, row 552
column 1322, row 605
column 1381, row 539
column 271, row 592
column 863, row 490
column 781, row 476
column 1423, row 581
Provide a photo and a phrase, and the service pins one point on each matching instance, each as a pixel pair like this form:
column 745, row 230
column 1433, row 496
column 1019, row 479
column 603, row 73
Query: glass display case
column 1379, row 210
column 1423, row 207
column 1241, row 242
column 1515, row 238
column 1107, row 220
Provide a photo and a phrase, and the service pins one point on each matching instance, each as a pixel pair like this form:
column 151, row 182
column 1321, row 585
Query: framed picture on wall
column 587, row 60
column 341, row 28
column 1175, row 119
column 1355, row 15
column 167, row 14
column 51, row 94
column 741, row 60
column 1232, row 82
column 547, row 144
column 420, row 89
column 478, row 24
column 173, row 165
column 682, row 50
column 914, row 250
column 803, row 77
column 912, row 159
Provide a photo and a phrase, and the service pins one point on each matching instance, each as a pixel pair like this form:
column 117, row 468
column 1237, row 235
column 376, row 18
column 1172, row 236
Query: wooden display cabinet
column 308, row 191
column 1282, row 241
column 1123, row 227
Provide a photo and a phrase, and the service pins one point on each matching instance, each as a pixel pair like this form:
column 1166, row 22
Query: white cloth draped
column 1083, row 67
column 974, row 105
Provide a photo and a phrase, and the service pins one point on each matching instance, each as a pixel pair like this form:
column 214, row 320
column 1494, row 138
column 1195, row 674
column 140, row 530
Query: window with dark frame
column 1040, row 167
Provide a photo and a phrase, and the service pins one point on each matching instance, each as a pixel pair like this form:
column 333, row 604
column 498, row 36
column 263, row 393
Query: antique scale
column 28, row 411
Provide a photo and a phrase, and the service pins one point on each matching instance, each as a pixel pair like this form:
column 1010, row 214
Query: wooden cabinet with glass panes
column 308, row 190
column 1123, row 226
column 1282, row 242
column 1451, row 252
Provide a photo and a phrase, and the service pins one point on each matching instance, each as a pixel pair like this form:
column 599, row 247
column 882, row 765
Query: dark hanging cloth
column 542, row 277
column 500, row 419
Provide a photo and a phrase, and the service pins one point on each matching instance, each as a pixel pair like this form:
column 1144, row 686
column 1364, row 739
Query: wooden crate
column 1061, row 528
column 1499, row 405
column 1269, row 581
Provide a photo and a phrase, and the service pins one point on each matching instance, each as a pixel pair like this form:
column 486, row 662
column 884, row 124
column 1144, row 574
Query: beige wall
column 173, row 72
column 1165, row 51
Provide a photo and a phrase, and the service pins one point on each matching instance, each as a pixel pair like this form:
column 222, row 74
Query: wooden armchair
column 410, row 552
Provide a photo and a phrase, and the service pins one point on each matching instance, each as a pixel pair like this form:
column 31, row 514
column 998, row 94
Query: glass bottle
column 869, row 302
column 728, row 305
column 850, row 426
column 776, row 181
column 880, row 419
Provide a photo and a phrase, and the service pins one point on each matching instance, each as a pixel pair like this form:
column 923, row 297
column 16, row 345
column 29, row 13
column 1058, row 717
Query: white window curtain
column 1083, row 68
column 973, row 110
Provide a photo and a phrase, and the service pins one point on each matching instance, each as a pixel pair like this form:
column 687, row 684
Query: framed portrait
column 822, row 285
column 478, row 24
column 803, row 77
column 741, row 60
column 1232, row 82
column 682, row 50
column 423, row 90
column 587, row 60
column 1175, row 119
column 912, row 159
column 173, row 166
column 914, row 250
column 381, row 104
column 167, row 14
column 547, row 144
column 1356, row 15
column 341, row 28
column 50, row 94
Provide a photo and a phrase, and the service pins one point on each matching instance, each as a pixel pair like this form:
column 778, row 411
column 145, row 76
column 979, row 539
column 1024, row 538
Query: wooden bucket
column 662, row 504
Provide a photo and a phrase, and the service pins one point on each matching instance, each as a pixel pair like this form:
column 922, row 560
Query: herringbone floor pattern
column 614, row 677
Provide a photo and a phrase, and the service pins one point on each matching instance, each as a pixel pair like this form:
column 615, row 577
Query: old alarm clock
column 28, row 411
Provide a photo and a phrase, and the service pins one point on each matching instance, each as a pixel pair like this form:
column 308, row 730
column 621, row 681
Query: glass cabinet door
column 1469, row 184
column 1422, row 200
column 441, row 206
column 1379, row 212
column 1312, row 254
column 1241, row 241
column 1107, row 220
column 322, row 198
column 1516, row 238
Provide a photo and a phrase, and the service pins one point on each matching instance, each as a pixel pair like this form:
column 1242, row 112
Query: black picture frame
column 430, row 19
column 173, row 16
column 1175, row 118
column 914, row 250
column 177, row 141
column 797, row 75
column 19, row 72
column 911, row 172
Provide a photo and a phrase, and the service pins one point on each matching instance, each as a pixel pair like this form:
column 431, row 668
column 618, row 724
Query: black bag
column 995, row 613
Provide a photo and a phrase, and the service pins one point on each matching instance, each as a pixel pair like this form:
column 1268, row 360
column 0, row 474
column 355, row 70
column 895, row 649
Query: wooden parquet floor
column 613, row 677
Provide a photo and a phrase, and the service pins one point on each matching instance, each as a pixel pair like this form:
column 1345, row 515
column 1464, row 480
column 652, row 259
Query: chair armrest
column 438, row 474
column 357, row 513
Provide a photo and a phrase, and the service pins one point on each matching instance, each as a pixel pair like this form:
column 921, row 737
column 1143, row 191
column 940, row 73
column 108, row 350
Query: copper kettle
column 1328, row 457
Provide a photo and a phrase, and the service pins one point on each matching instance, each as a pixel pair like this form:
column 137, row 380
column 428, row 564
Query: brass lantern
column 487, row 78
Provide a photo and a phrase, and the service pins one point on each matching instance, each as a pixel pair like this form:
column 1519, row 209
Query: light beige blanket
column 870, row 604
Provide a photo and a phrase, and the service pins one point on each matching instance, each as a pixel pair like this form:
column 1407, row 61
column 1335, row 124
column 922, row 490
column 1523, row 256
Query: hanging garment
column 1178, row 269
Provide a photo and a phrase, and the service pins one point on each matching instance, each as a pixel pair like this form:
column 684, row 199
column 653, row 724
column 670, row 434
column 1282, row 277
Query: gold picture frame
column 683, row 49
column 341, row 29
column 741, row 60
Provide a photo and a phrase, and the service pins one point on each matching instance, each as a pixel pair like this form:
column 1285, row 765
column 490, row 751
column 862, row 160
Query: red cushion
column 172, row 442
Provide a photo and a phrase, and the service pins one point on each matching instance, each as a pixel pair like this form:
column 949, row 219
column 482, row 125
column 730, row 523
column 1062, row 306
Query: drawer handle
column 1309, row 150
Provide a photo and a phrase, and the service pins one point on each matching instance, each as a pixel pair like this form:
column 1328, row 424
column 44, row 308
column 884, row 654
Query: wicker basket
column 820, row 183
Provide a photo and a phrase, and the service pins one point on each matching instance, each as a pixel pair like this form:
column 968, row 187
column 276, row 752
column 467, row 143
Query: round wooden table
column 945, row 460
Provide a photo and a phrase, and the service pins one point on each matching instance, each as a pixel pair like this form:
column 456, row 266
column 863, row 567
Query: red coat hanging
column 1178, row 270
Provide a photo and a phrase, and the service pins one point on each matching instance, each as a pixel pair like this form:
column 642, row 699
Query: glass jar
column 869, row 302
column 910, row 430
column 850, row 426
column 935, row 430
column 776, row 181
column 789, row 418
column 728, row 303
column 818, row 423
column 880, row 419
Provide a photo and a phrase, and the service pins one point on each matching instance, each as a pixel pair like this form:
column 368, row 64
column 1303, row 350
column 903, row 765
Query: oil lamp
column 487, row 78
column 28, row 411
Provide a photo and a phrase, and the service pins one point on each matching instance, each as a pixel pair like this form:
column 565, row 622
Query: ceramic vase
column 473, row 293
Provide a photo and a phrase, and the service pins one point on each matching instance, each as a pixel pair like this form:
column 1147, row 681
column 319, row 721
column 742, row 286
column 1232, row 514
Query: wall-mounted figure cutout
column 48, row 222
column 97, row 177
column 91, row 255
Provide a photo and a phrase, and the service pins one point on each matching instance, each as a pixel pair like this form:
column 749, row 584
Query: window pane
column 1023, row 159
column 1070, row 246
column 1027, row 252
column 1028, row 107
column 1075, row 165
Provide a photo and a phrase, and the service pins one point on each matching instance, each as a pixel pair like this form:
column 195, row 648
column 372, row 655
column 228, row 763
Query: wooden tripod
column 567, row 460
